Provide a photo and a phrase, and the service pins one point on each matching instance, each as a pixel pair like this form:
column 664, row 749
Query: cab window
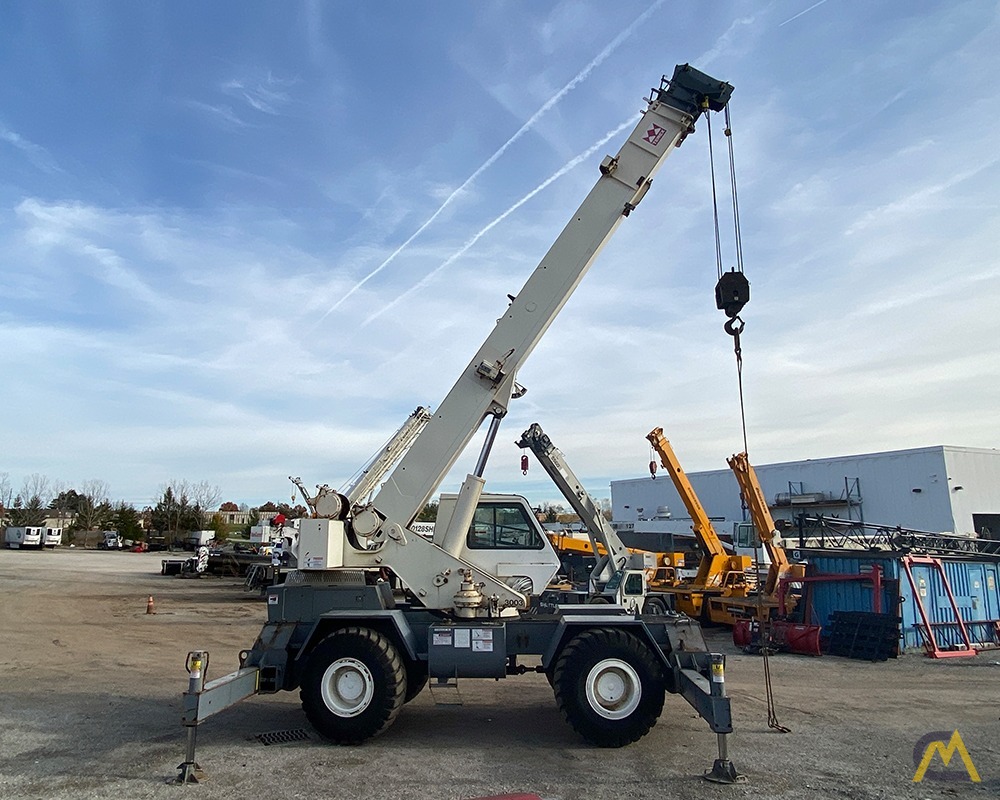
column 499, row 526
column 746, row 535
column 633, row 584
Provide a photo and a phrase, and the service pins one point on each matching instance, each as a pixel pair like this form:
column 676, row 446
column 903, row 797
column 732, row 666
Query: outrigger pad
column 724, row 771
column 188, row 772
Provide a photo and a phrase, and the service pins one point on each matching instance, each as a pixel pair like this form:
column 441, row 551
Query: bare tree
column 179, row 489
column 183, row 504
column 205, row 495
column 6, row 490
column 57, row 487
column 91, row 516
column 95, row 490
column 36, row 485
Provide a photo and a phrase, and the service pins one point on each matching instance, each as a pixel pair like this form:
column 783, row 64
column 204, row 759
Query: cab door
column 506, row 540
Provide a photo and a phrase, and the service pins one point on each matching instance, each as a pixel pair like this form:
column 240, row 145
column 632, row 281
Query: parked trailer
column 18, row 538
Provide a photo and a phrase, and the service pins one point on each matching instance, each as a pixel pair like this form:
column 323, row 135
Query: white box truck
column 17, row 538
column 196, row 539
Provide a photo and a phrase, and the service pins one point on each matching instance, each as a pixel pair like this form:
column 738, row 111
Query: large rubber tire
column 353, row 685
column 609, row 686
column 416, row 679
column 654, row 606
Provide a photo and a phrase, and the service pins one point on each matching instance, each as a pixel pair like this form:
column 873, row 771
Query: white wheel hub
column 347, row 687
column 613, row 688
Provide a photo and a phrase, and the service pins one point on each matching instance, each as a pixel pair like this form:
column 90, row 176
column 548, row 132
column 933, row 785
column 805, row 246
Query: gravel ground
column 91, row 689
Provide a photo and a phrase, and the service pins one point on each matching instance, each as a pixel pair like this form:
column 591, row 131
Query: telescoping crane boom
column 761, row 603
column 619, row 573
column 718, row 571
column 603, row 537
column 372, row 474
column 760, row 514
column 375, row 609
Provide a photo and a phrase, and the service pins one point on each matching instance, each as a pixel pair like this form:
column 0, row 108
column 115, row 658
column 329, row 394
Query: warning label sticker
column 442, row 639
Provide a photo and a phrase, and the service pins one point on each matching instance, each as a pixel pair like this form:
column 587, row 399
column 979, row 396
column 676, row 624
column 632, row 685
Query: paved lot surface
column 91, row 686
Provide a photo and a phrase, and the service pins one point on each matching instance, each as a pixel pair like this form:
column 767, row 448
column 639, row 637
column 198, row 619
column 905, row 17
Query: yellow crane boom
column 760, row 514
column 718, row 570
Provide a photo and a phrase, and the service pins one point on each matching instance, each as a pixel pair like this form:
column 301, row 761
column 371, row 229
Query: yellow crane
column 719, row 572
column 761, row 602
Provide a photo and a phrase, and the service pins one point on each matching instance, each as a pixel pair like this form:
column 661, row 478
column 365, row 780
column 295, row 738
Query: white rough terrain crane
column 618, row 573
column 375, row 609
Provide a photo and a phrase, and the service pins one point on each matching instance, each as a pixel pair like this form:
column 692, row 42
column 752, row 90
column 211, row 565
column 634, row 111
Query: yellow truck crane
column 720, row 573
column 760, row 603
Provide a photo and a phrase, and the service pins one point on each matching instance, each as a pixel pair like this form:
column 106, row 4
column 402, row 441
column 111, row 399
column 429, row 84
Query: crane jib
column 485, row 385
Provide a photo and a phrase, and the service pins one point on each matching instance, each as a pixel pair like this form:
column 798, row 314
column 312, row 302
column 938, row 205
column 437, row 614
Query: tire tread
column 575, row 661
column 384, row 708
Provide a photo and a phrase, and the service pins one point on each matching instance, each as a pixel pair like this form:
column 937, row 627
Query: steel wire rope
column 715, row 198
column 735, row 327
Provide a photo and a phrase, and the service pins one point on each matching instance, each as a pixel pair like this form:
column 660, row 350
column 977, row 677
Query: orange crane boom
column 760, row 514
column 718, row 572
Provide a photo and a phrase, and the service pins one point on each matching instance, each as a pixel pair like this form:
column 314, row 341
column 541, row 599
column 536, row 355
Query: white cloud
column 36, row 154
column 218, row 112
column 266, row 94
column 168, row 317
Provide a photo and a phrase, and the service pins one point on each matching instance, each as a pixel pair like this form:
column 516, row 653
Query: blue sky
column 241, row 241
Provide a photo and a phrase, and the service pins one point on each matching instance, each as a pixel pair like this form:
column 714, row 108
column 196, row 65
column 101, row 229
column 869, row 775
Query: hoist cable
column 736, row 204
column 772, row 715
column 765, row 622
column 734, row 327
column 715, row 199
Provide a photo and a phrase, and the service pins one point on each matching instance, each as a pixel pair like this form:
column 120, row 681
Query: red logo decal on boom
column 654, row 134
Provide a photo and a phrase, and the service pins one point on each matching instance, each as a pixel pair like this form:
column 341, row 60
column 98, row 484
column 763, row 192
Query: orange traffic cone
column 149, row 606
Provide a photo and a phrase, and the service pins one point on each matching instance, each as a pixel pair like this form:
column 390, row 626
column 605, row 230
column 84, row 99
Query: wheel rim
column 347, row 687
column 613, row 688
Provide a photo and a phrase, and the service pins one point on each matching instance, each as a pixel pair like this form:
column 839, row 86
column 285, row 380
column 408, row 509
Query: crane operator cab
column 505, row 540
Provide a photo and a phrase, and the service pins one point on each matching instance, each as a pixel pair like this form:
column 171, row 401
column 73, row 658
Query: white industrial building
column 938, row 489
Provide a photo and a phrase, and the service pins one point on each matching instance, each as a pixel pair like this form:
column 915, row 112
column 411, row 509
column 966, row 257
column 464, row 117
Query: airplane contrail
column 814, row 5
column 573, row 162
column 576, row 80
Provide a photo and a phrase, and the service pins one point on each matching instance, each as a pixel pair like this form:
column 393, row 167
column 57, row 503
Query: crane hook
column 652, row 469
column 734, row 327
column 524, row 465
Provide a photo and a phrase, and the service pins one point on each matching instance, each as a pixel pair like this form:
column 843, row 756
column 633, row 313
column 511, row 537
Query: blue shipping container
column 975, row 586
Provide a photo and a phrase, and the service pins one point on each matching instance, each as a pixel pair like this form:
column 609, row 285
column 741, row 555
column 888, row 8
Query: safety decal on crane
column 654, row 134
